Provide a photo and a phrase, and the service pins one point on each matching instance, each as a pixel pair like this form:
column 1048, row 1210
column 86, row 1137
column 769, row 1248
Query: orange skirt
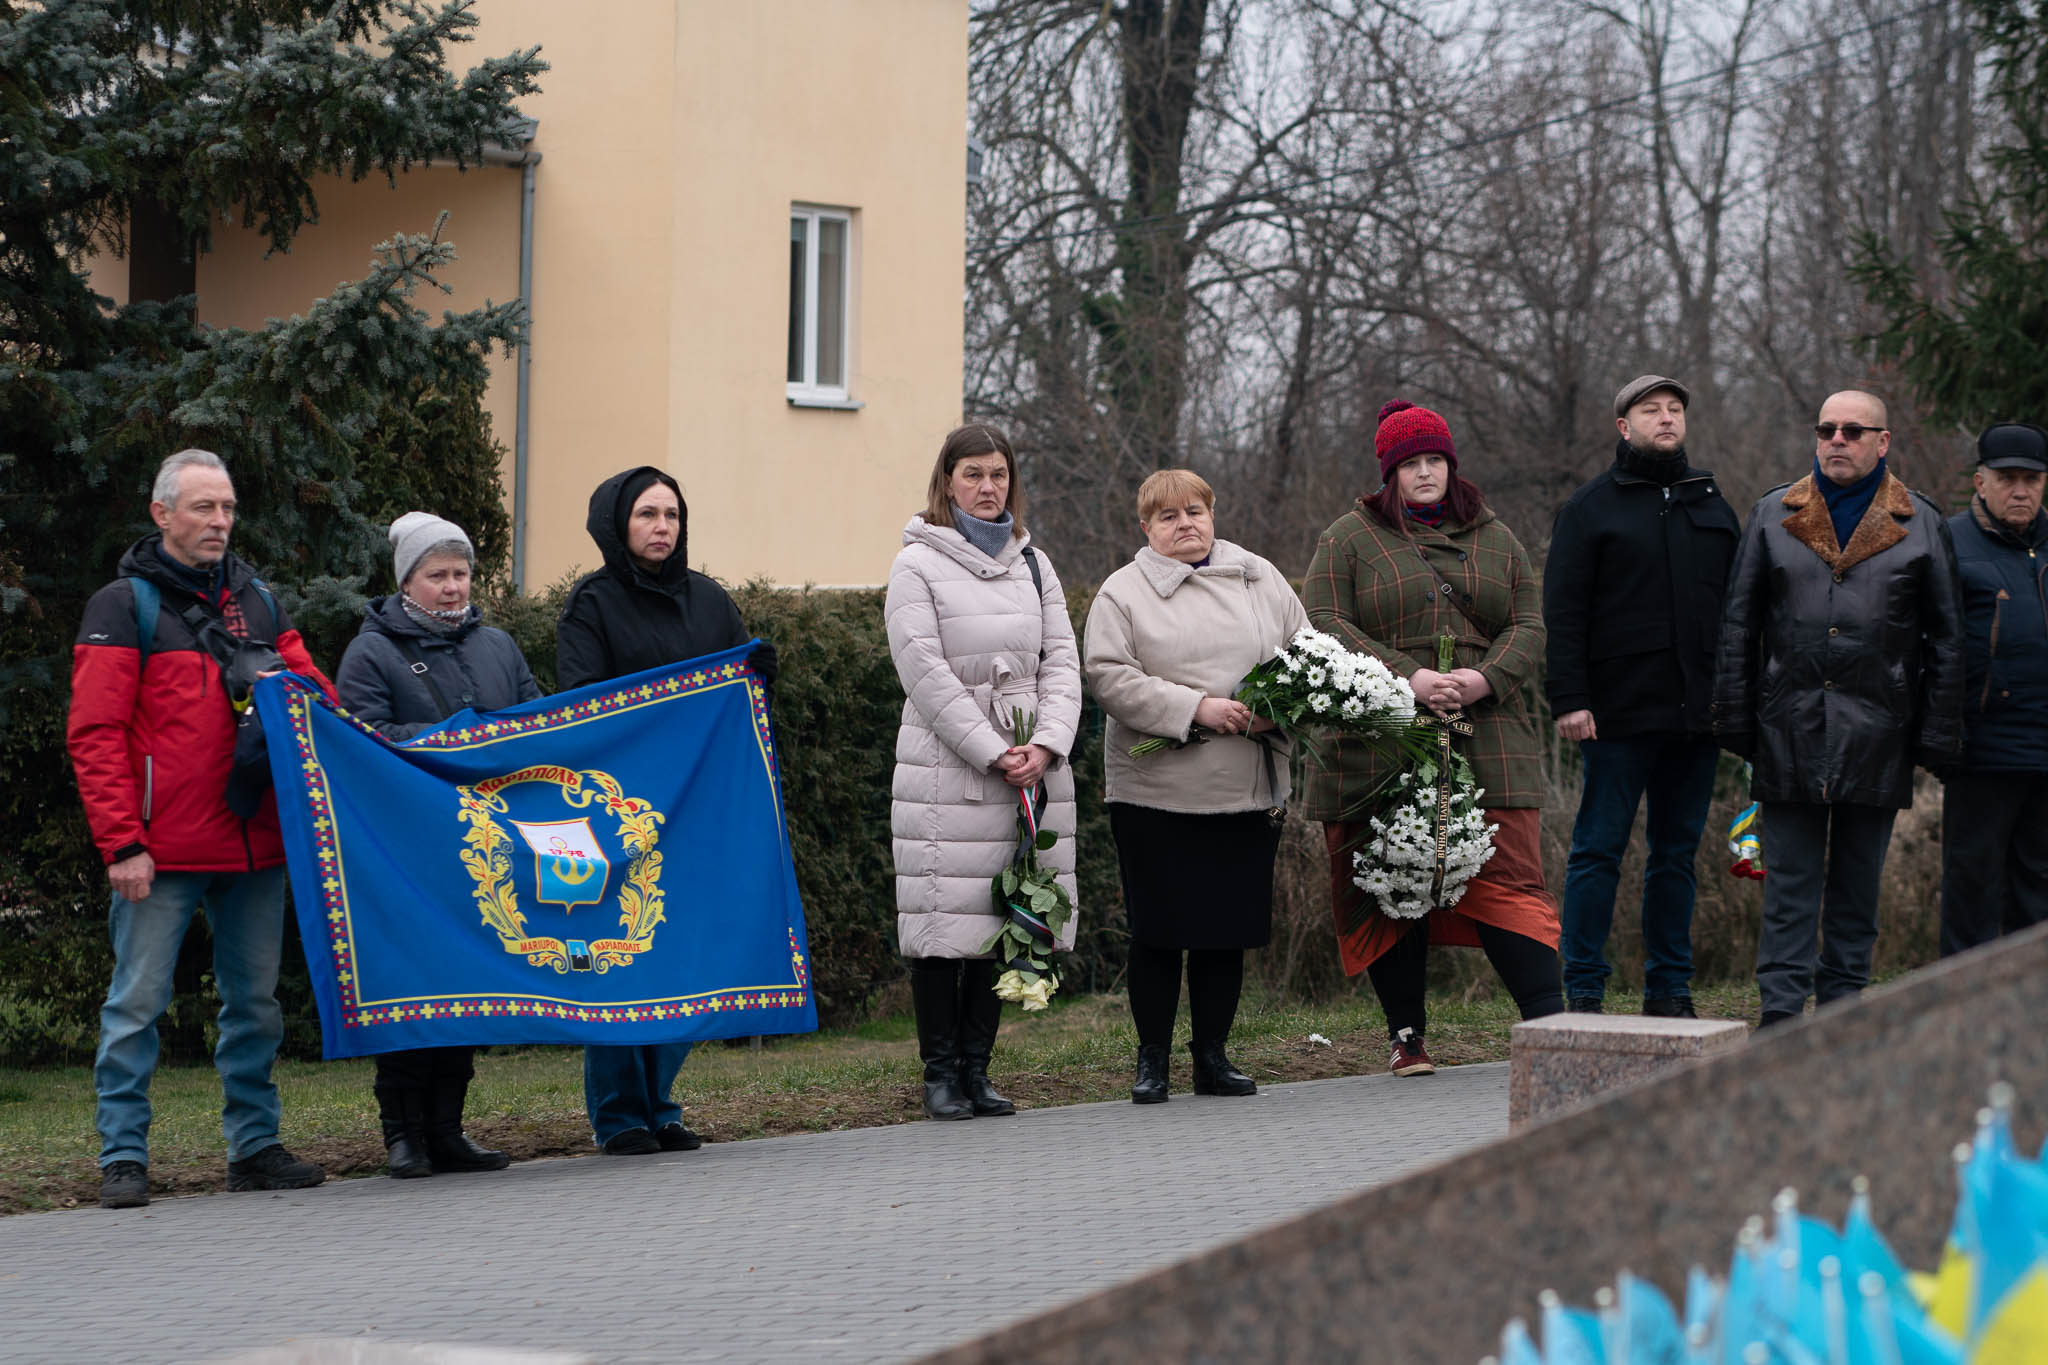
column 1509, row 893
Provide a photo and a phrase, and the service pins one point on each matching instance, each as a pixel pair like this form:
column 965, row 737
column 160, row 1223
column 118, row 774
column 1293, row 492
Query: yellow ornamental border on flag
column 485, row 854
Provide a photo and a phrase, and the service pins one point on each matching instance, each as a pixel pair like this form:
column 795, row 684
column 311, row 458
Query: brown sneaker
column 1410, row 1059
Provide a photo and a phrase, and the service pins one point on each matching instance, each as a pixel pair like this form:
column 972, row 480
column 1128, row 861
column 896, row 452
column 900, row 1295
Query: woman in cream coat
column 1171, row 636
column 978, row 629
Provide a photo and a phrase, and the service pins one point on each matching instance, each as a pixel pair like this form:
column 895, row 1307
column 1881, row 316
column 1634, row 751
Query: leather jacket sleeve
column 1735, row 661
column 1943, row 662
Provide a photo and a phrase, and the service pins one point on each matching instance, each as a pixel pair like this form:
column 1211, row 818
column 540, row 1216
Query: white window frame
column 807, row 392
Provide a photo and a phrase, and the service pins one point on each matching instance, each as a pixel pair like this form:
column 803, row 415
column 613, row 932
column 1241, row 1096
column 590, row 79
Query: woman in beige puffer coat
column 978, row 628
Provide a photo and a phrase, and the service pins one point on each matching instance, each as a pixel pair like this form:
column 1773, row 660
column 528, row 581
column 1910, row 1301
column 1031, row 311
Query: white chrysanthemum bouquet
column 1314, row 680
column 1431, row 835
column 1398, row 867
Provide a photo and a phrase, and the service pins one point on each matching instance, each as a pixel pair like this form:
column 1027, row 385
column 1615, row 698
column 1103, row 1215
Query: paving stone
column 879, row 1244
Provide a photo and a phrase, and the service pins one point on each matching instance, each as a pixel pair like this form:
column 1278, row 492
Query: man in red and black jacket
column 152, row 736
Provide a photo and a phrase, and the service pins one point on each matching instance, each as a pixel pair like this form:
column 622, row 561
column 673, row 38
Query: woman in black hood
column 645, row 608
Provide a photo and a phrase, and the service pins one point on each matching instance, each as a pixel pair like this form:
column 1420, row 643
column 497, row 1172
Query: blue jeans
column 1677, row 773
column 627, row 1087
column 246, row 912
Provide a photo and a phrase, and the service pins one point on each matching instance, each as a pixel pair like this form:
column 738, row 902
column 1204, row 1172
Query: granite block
column 1562, row 1061
column 1654, row 1177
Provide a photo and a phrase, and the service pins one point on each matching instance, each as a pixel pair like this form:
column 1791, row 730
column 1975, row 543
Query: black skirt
column 1196, row 881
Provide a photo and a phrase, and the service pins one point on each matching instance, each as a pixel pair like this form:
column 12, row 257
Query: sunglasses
column 1852, row 432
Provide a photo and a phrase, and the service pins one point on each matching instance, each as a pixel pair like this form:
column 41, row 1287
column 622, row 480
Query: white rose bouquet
column 1314, row 680
column 1033, row 904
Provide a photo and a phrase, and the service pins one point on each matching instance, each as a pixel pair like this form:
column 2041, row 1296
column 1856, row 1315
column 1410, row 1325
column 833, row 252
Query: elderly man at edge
column 1840, row 667
column 1994, row 814
column 152, row 739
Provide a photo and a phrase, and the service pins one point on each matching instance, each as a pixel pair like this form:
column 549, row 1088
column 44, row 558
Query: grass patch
column 530, row 1100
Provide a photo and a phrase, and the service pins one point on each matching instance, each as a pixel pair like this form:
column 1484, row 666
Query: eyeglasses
column 1852, row 432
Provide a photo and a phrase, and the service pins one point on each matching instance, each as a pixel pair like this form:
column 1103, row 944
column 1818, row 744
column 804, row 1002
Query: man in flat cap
column 1840, row 667
column 1994, row 819
column 1632, row 595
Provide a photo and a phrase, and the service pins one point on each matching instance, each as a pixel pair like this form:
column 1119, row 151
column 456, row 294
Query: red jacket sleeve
column 106, row 674
column 293, row 651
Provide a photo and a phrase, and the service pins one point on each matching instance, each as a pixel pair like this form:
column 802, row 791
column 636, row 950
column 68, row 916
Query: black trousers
column 1994, row 857
column 421, row 1073
column 1822, row 866
column 1215, row 981
column 1528, row 968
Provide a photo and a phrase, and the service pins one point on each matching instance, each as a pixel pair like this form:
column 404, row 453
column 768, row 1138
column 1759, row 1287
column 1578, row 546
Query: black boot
column 448, row 1147
column 1150, row 1087
column 935, row 996
column 1214, row 1075
column 981, row 1013
column 403, row 1115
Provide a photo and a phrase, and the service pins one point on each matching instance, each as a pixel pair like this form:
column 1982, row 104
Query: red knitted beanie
column 1407, row 430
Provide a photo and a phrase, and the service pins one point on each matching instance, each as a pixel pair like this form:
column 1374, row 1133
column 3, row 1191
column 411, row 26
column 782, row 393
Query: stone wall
column 1654, row 1178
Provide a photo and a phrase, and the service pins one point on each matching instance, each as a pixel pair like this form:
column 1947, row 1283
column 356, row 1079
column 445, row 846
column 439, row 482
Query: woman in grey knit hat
column 422, row 654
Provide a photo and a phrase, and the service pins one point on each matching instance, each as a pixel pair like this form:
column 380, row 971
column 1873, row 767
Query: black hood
column 610, row 505
column 386, row 616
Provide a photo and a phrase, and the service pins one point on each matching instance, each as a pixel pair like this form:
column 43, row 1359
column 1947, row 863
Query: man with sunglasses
column 1840, row 667
column 1994, row 819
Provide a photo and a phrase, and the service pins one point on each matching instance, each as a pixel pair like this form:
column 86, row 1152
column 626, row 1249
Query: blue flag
column 609, row 865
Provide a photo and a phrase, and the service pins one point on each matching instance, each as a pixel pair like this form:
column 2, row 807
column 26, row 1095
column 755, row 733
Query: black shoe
column 1669, row 1007
column 406, row 1157
column 448, row 1147
column 673, row 1137
column 1150, row 1087
column 632, row 1142
column 124, row 1185
column 273, row 1168
column 1586, row 1004
column 982, row 1097
column 943, row 1097
column 451, row 1149
column 1214, row 1075
column 1772, row 1018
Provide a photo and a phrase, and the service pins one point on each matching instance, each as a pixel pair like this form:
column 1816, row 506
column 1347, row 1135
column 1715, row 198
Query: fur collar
column 1879, row 530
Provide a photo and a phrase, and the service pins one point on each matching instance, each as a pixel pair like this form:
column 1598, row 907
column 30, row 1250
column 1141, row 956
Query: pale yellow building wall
column 675, row 135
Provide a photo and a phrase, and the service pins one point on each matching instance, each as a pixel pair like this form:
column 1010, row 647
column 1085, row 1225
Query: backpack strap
column 147, row 602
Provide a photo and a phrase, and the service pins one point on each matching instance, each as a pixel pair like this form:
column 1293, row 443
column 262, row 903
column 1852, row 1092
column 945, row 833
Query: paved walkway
column 876, row 1245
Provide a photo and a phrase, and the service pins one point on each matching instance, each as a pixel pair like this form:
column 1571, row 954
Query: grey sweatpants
column 1820, row 901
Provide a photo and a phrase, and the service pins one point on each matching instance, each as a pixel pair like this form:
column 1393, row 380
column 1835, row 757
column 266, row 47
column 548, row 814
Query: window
column 820, row 246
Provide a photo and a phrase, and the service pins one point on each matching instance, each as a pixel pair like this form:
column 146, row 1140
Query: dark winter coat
column 478, row 667
column 623, row 619
column 1841, row 666
column 2005, row 609
column 152, row 742
column 1382, row 593
column 1632, row 596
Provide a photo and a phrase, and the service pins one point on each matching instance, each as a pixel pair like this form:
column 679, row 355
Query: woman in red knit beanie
column 1420, row 558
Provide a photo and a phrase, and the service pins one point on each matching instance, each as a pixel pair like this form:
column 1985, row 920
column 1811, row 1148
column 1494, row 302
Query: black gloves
column 762, row 661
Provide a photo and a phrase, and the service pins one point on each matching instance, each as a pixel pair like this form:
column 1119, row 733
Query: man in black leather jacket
column 1840, row 667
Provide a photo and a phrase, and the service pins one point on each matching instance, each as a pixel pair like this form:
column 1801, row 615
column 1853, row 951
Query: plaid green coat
column 1369, row 587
